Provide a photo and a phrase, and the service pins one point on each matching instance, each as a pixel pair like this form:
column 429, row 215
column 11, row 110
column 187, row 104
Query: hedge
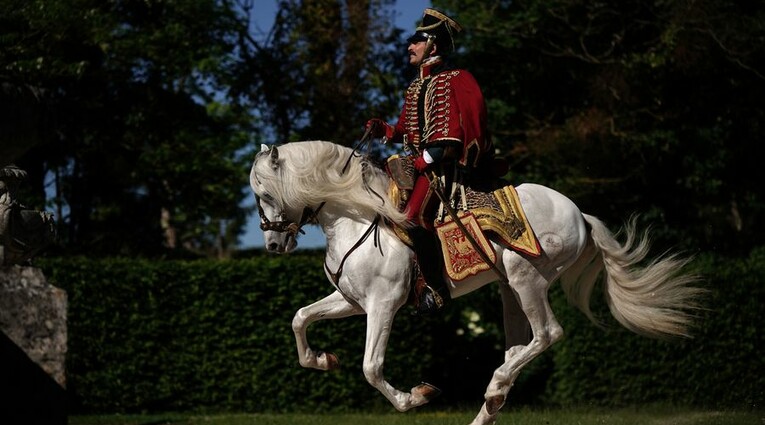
column 721, row 366
column 216, row 335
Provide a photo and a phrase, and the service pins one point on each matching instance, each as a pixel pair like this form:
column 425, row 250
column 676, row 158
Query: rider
column 443, row 124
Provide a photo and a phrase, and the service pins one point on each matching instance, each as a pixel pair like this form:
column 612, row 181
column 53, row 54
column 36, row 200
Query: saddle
column 496, row 215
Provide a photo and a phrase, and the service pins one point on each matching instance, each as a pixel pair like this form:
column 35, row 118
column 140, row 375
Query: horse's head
column 279, row 223
column 293, row 182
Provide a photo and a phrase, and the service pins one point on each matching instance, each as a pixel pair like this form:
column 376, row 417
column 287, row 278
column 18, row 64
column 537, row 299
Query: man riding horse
column 443, row 127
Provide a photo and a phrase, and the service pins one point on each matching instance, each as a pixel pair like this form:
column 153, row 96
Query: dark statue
column 23, row 120
column 23, row 231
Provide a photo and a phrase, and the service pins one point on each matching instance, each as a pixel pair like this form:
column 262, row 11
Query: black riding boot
column 430, row 259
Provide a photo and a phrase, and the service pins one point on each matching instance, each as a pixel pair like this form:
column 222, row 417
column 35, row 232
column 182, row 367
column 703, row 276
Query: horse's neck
column 342, row 231
column 338, row 227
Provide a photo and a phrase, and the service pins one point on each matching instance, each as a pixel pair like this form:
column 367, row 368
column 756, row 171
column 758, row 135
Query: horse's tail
column 652, row 299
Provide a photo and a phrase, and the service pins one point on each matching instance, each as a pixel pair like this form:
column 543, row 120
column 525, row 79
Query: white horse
column 370, row 268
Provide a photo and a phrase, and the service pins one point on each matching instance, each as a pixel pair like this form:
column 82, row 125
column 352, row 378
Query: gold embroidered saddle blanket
column 497, row 215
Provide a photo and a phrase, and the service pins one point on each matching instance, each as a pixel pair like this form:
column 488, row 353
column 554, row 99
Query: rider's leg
column 427, row 248
column 417, row 199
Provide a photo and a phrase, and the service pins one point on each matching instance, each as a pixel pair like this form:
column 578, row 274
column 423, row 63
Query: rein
column 336, row 276
column 365, row 139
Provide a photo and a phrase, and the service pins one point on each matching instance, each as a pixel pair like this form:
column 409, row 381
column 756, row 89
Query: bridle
column 309, row 215
column 285, row 226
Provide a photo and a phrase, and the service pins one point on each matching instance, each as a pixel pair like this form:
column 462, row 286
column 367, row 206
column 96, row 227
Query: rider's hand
column 379, row 129
column 420, row 165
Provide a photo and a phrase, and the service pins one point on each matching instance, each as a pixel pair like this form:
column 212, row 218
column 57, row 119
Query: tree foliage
column 145, row 153
column 158, row 105
column 637, row 106
column 324, row 69
column 641, row 106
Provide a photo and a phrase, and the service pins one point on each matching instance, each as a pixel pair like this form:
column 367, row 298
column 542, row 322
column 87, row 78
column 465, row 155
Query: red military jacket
column 445, row 108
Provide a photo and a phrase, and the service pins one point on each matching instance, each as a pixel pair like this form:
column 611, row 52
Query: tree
column 146, row 152
column 324, row 69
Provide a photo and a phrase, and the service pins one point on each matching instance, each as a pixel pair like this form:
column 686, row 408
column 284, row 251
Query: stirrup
column 430, row 302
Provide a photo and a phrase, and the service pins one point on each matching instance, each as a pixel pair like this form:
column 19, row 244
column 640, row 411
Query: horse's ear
column 274, row 158
column 264, row 147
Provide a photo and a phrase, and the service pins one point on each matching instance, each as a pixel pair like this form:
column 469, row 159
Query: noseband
column 290, row 227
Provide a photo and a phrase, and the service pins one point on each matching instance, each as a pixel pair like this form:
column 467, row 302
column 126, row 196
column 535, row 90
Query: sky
column 408, row 12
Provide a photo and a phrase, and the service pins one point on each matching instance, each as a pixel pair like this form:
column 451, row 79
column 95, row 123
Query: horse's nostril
column 273, row 246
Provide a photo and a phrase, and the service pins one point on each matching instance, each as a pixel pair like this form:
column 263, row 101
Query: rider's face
column 417, row 52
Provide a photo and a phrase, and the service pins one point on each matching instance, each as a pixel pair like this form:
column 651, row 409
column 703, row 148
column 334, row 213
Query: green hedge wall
column 151, row 336
column 216, row 335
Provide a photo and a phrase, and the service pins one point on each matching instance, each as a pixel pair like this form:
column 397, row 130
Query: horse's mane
column 311, row 172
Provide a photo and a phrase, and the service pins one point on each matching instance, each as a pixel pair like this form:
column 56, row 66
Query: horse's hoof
column 493, row 404
column 426, row 391
column 333, row 363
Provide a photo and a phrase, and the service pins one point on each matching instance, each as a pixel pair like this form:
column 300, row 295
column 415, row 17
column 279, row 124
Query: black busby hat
column 440, row 27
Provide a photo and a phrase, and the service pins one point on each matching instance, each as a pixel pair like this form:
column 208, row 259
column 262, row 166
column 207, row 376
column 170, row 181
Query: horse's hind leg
column 531, row 288
column 517, row 328
column 334, row 306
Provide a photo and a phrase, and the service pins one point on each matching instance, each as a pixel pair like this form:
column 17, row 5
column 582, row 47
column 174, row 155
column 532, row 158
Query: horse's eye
column 268, row 196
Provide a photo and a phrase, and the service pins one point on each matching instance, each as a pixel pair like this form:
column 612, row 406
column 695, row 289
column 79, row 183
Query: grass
column 635, row 416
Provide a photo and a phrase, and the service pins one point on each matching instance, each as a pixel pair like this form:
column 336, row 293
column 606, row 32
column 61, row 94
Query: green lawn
column 636, row 416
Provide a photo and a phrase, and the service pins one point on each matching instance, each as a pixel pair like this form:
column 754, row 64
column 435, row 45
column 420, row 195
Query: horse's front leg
column 379, row 323
column 334, row 306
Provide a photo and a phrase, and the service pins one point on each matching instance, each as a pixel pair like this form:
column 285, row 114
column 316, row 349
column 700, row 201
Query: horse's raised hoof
column 426, row 391
column 493, row 404
column 333, row 363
